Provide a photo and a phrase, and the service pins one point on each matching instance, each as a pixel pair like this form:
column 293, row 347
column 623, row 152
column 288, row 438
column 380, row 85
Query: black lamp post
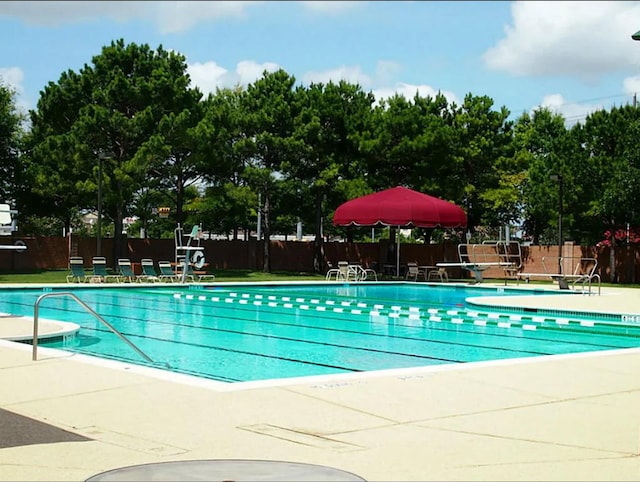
column 101, row 157
column 558, row 177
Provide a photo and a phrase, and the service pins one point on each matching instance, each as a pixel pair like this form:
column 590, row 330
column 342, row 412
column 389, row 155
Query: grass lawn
column 60, row 276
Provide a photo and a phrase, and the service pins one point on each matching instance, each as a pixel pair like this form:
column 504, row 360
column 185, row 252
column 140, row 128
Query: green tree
column 173, row 156
column 609, row 171
column 115, row 105
column 330, row 117
column 409, row 143
column 541, row 147
column 230, row 203
column 268, row 119
column 56, row 176
column 482, row 144
column 11, row 137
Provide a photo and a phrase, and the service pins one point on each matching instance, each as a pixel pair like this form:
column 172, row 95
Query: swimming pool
column 236, row 333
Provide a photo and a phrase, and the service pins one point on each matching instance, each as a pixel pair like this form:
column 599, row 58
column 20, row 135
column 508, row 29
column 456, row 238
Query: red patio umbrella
column 400, row 207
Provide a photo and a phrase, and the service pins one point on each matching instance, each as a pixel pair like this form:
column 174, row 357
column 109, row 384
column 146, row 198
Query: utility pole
column 558, row 177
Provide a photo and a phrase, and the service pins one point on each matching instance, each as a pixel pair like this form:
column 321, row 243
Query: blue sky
column 574, row 56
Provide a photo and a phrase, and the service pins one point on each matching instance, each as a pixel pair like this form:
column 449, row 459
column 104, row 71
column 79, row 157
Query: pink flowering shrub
column 620, row 237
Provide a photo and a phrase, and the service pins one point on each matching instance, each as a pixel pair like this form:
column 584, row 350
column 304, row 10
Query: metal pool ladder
column 36, row 308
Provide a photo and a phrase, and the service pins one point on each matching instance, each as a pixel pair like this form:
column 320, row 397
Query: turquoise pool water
column 239, row 333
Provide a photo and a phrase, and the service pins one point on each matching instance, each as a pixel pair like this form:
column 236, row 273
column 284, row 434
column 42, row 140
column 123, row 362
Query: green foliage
column 124, row 104
column 541, row 144
column 409, row 143
column 11, row 135
column 297, row 152
column 269, row 110
column 484, row 146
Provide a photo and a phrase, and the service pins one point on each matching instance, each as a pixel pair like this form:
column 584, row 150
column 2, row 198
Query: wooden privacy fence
column 53, row 252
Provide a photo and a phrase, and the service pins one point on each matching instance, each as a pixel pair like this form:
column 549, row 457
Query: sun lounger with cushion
column 149, row 273
column 76, row 268
column 100, row 273
column 166, row 272
column 126, row 271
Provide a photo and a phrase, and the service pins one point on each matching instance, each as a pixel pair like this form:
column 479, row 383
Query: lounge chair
column 350, row 272
column 100, row 273
column 76, row 268
column 436, row 273
column 332, row 273
column 412, row 271
column 345, row 272
column 149, row 273
column 126, row 271
column 368, row 273
column 166, row 272
column 196, row 275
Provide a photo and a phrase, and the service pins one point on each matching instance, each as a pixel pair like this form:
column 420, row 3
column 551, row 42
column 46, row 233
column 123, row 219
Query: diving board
column 477, row 258
column 476, row 268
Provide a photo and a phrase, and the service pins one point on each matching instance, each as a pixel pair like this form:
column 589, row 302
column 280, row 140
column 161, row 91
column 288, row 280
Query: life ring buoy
column 21, row 246
column 198, row 259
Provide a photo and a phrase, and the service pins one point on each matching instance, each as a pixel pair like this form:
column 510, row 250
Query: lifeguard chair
column 8, row 226
column 188, row 250
column 6, row 222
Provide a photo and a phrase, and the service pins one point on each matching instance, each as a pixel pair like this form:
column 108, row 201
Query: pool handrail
column 36, row 308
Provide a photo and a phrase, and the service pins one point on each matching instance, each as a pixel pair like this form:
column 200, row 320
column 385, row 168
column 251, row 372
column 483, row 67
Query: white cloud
column 583, row 39
column 409, row 91
column 631, row 85
column 248, row 70
column 175, row 17
column 169, row 16
column 330, row 6
column 387, row 70
column 572, row 112
column 13, row 78
column 210, row 76
column 383, row 84
column 68, row 12
column 353, row 75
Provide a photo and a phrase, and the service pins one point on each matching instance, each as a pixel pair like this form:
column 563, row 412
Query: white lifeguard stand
column 188, row 249
column 8, row 226
column 6, row 223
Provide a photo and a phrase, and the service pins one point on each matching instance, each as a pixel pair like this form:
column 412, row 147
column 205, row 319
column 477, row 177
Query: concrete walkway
column 549, row 418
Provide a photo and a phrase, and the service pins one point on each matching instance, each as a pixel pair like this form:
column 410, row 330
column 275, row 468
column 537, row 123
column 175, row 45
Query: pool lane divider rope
column 455, row 316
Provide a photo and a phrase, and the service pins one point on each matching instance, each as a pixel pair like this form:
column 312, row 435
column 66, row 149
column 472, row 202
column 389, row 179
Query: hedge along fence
column 53, row 252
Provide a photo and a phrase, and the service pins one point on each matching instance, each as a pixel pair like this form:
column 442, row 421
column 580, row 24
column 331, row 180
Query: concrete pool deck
column 577, row 417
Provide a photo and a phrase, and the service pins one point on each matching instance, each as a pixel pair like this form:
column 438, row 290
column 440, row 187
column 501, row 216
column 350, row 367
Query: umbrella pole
column 398, row 252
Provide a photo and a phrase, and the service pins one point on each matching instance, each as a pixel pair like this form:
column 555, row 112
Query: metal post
column 101, row 157
column 99, row 223
column 558, row 177
column 259, row 224
column 561, row 239
column 398, row 252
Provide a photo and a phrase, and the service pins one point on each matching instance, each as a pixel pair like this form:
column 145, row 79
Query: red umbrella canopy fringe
column 401, row 207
